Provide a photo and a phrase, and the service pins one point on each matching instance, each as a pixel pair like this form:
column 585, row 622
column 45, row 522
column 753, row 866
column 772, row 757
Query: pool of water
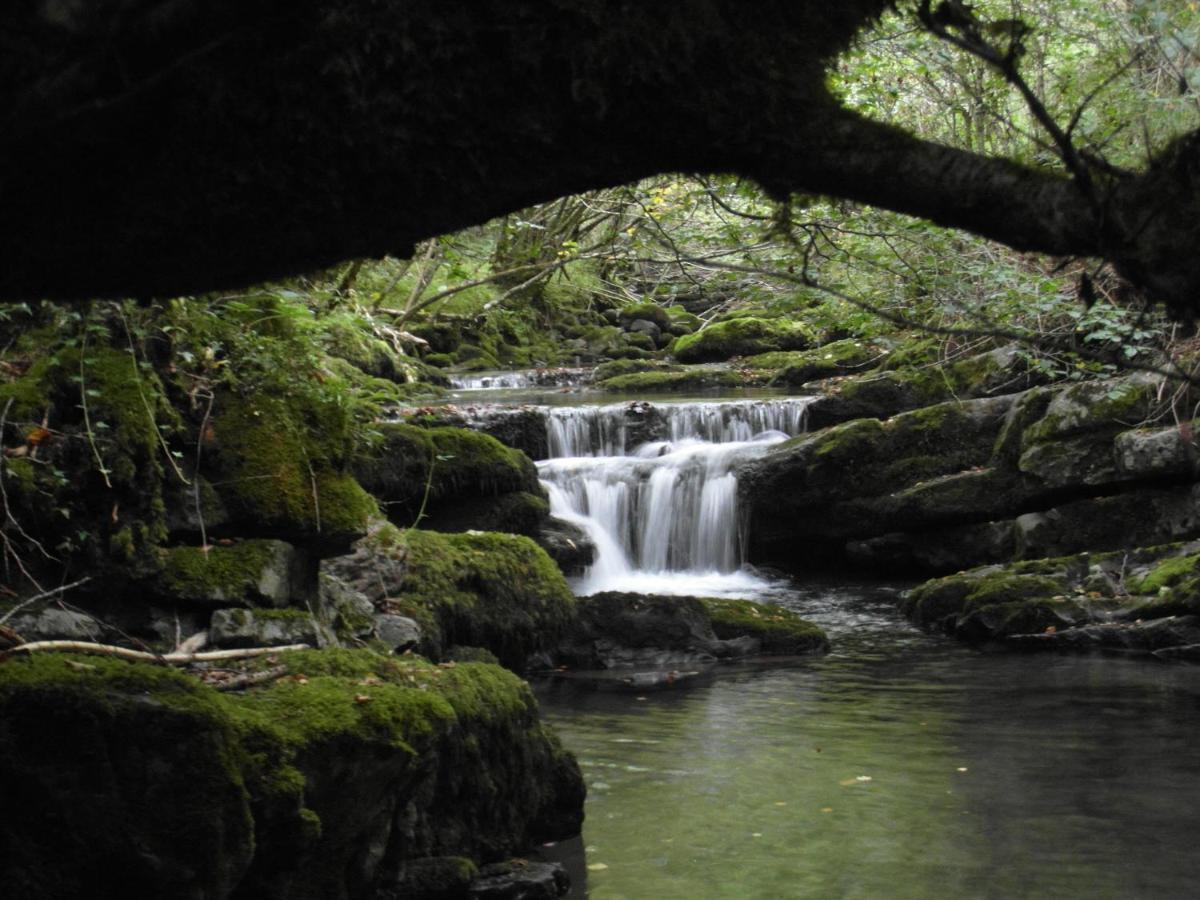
column 901, row 765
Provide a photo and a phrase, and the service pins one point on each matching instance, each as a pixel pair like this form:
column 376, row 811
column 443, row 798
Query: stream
column 901, row 765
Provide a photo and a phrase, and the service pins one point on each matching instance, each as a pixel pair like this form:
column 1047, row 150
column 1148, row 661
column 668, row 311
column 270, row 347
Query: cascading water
column 655, row 485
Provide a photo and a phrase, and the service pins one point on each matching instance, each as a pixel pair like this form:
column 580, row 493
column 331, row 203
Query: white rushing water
column 491, row 382
column 655, row 486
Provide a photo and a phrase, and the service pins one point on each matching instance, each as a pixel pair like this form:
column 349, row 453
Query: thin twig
column 42, row 596
column 87, row 419
column 173, row 659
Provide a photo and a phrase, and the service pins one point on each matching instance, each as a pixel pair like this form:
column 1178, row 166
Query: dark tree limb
column 161, row 148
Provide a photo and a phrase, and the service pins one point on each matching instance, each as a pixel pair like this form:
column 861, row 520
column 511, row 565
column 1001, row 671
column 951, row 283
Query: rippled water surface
column 901, row 765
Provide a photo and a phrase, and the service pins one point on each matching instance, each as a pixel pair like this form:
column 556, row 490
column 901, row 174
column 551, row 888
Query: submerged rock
column 629, row 631
column 521, row 880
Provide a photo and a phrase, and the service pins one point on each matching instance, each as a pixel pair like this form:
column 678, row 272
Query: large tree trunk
column 158, row 147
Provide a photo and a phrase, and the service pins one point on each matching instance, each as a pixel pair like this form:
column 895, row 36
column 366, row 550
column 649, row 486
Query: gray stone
column 645, row 326
column 53, row 624
column 1130, row 519
column 398, row 632
column 1066, row 462
column 343, row 608
column 1158, row 452
column 235, row 628
column 367, row 570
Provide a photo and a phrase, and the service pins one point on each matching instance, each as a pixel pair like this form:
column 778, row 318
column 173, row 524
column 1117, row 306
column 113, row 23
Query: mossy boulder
column 646, row 312
column 885, row 393
column 281, row 470
column 135, row 773
column 455, row 478
column 800, row 367
column 1050, row 599
column 260, row 572
column 615, row 367
column 779, row 631
column 1072, row 443
column 867, row 477
column 97, row 420
column 322, row 784
column 743, row 337
column 693, row 379
column 501, row 592
column 616, row 630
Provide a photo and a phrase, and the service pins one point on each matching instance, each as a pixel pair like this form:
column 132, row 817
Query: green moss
column 617, row 367
column 496, row 591
column 462, row 470
column 651, row 312
column 917, row 350
column 282, row 615
column 135, row 797
column 168, row 788
column 281, row 469
column 1169, row 573
column 694, row 379
column 742, row 337
column 681, row 317
column 217, row 575
column 780, row 630
column 799, row 367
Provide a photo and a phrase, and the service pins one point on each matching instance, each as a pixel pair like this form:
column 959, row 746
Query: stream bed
column 901, row 765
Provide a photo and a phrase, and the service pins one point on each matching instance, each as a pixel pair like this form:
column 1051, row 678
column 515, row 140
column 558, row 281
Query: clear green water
column 900, row 766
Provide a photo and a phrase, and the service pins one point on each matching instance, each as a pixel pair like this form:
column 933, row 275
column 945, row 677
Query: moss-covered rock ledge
column 129, row 779
column 1144, row 601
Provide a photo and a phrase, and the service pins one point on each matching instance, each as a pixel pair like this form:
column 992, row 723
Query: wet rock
column 666, row 634
column 1159, row 636
column 622, row 630
column 432, row 878
column 234, row 628
column 1136, row 518
column 521, row 880
column 400, row 633
column 1186, row 653
column 939, row 550
column 568, row 545
column 1145, row 599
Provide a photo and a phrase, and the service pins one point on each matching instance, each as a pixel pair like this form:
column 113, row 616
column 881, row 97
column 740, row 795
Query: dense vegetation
column 233, row 463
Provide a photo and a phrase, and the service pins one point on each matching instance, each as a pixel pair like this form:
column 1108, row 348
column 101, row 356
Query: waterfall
column 655, row 485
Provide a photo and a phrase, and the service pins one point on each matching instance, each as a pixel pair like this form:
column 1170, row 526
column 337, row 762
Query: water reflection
column 900, row 766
